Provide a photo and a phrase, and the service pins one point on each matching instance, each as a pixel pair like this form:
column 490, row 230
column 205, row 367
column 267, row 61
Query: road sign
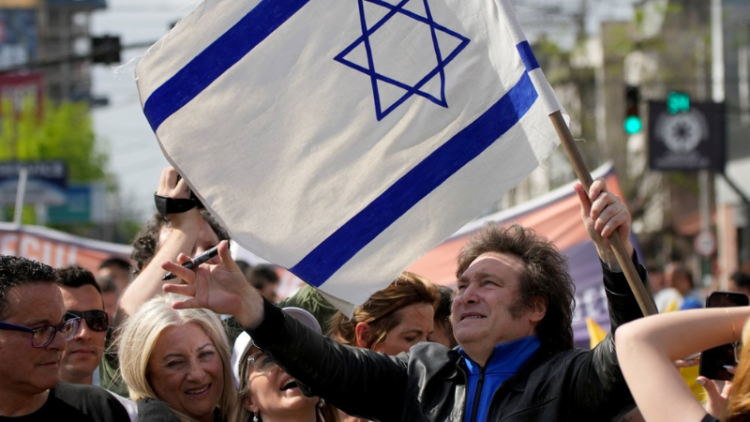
column 689, row 140
column 84, row 204
column 705, row 243
column 46, row 183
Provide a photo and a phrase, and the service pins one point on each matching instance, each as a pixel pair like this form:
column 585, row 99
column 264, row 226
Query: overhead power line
column 106, row 50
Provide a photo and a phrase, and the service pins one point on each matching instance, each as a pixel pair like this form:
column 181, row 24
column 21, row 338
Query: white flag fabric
column 343, row 139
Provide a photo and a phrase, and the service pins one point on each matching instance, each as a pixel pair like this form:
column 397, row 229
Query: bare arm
column 647, row 347
column 183, row 232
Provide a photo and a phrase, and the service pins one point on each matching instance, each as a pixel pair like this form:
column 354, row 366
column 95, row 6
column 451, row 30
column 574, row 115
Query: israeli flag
column 343, row 139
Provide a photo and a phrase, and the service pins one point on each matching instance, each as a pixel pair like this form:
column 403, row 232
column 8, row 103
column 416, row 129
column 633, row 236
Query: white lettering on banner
column 55, row 254
column 29, row 246
column 47, row 254
column 590, row 302
column 8, row 243
column 72, row 256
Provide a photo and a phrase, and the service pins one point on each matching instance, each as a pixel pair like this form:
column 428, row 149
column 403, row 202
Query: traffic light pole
column 645, row 302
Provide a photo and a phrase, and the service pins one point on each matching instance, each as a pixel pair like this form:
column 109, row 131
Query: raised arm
column 184, row 229
column 599, row 382
column 647, row 347
column 603, row 216
column 351, row 379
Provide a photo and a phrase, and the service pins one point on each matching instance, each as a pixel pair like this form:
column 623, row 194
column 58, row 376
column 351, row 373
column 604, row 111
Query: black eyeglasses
column 41, row 337
column 97, row 320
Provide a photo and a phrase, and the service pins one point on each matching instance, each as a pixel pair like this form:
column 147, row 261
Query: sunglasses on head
column 96, row 320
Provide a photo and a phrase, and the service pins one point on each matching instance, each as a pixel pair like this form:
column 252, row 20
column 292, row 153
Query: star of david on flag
column 342, row 139
column 423, row 32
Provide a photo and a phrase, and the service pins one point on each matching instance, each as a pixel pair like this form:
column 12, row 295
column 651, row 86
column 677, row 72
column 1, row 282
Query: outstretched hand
column 604, row 215
column 221, row 288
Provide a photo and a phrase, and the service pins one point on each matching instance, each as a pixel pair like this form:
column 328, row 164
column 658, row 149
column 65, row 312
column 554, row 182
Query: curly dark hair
column 146, row 241
column 545, row 275
column 16, row 271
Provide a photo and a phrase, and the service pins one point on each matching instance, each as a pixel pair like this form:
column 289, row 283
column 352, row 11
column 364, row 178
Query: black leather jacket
column 429, row 383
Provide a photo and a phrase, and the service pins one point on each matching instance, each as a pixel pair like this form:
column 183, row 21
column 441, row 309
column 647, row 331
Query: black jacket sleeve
column 599, row 382
column 351, row 379
column 623, row 307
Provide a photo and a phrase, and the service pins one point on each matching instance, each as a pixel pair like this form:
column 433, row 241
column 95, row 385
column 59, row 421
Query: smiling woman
column 176, row 363
column 267, row 393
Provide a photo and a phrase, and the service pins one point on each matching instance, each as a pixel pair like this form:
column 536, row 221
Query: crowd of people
column 215, row 344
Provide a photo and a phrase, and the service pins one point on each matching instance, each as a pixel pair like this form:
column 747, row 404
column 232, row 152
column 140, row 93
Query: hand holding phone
column 714, row 362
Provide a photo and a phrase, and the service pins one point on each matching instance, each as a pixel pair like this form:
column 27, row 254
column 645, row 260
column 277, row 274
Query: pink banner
column 55, row 248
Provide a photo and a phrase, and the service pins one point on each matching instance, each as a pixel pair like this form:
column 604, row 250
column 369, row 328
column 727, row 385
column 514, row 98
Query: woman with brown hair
column 647, row 347
column 392, row 320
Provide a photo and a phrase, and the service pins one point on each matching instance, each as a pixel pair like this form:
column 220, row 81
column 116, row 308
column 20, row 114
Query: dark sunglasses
column 96, row 320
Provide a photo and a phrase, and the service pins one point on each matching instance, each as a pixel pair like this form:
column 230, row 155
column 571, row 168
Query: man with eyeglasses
column 33, row 334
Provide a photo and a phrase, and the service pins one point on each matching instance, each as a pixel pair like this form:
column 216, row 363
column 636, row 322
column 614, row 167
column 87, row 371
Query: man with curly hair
column 511, row 315
column 190, row 232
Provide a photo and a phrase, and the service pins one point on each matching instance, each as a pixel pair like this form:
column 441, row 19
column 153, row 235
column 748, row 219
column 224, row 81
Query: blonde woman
column 176, row 363
column 647, row 347
column 267, row 393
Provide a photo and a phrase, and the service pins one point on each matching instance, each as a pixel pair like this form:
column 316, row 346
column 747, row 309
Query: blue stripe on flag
column 328, row 257
column 527, row 56
column 217, row 58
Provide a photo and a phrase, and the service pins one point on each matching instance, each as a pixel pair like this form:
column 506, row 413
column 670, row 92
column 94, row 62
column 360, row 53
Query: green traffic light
column 633, row 125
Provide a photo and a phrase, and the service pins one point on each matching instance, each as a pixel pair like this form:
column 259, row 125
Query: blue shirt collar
column 506, row 358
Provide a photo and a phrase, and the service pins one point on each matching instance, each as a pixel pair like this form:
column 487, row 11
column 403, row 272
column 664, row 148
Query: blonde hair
column 738, row 404
column 328, row 413
column 380, row 311
column 140, row 333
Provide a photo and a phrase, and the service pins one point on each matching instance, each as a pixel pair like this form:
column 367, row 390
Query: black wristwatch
column 166, row 205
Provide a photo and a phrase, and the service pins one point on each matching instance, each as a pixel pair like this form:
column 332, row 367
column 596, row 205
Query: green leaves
column 58, row 131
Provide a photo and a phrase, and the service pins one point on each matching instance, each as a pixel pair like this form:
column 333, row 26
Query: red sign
column 16, row 87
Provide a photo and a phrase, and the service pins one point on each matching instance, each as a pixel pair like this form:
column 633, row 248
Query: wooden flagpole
column 584, row 176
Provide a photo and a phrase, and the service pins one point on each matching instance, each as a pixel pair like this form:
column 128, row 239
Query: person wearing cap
column 512, row 317
column 266, row 392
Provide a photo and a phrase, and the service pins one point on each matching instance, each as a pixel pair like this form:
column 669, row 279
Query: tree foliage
column 62, row 131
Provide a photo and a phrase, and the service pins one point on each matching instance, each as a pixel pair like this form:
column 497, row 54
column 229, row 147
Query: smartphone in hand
column 713, row 361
